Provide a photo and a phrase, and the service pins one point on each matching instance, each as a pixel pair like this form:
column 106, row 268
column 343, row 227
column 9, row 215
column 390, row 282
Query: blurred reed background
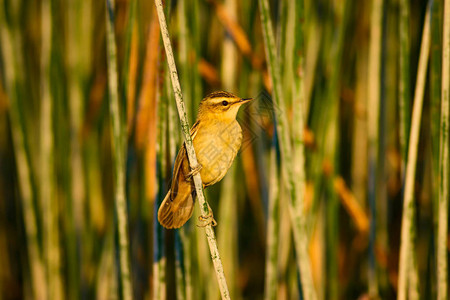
column 343, row 172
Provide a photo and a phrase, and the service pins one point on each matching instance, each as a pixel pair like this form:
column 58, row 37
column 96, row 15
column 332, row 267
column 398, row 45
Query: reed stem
column 191, row 151
column 47, row 177
column 273, row 223
column 435, row 101
column 444, row 161
column 295, row 196
column 404, row 87
column 10, row 45
column 408, row 227
column 119, row 151
column 373, row 127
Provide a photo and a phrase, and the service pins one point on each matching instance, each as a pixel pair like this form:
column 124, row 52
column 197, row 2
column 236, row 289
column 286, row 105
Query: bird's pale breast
column 216, row 145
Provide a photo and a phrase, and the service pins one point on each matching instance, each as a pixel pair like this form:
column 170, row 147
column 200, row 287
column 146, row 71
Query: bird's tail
column 173, row 213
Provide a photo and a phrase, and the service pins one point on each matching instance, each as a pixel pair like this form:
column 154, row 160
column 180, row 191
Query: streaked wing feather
column 181, row 162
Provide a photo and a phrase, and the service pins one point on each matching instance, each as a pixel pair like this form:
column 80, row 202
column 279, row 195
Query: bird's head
column 221, row 105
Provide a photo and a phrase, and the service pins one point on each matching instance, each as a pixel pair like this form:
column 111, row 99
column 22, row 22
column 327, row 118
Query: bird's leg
column 194, row 171
column 207, row 220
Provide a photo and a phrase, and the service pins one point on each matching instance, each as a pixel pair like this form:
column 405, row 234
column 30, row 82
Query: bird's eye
column 224, row 103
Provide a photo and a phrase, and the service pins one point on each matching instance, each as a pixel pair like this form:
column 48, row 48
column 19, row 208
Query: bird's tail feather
column 174, row 213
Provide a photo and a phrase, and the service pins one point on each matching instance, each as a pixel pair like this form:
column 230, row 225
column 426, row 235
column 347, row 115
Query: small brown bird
column 217, row 138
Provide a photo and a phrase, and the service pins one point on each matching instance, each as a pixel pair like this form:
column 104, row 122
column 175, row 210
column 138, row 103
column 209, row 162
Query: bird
column 217, row 137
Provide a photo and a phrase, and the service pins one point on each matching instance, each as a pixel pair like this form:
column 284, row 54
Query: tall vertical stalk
column 404, row 86
column 404, row 107
column 119, row 152
column 106, row 282
column 13, row 67
column 296, row 196
column 435, row 98
column 227, row 234
column 159, row 253
column 408, row 227
column 191, row 151
column 273, row 221
column 374, row 87
column 299, row 97
column 78, row 14
column 331, row 153
column 179, row 271
column 183, row 53
column 444, row 161
column 47, row 177
column 299, row 104
column 129, row 68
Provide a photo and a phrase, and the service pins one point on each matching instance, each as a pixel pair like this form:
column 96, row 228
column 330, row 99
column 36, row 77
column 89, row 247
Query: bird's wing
column 178, row 205
column 173, row 214
column 182, row 162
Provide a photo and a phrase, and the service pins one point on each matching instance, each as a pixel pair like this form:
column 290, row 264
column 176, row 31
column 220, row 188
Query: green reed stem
column 330, row 152
column 373, row 127
column 405, row 113
column 296, row 196
column 408, row 227
column 299, row 96
column 78, row 14
column 228, row 233
column 159, row 255
column 404, row 84
column 13, row 66
column 183, row 53
column 444, row 161
column 106, row 281
column 187, row 263
column 119, row 151
column 191, row 151
column 273, row 222
column 47, row 177
column 300, row 113
column 179, row 270
column 435, row 99
column 131, row 19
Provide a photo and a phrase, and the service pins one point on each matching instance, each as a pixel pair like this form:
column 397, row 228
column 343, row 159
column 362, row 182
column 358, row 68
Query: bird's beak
column 242, row 101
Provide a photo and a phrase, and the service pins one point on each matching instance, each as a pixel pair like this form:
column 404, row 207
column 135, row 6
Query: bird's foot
column 207, row 220
column 194, row 171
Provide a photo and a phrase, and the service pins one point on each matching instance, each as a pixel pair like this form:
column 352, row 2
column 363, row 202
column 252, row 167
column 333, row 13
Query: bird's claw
column 194, row 171
column 207, row 220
